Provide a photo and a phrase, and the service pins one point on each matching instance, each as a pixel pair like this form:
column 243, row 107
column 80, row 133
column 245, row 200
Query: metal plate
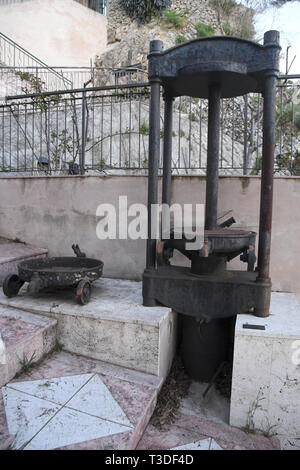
column 61, row 271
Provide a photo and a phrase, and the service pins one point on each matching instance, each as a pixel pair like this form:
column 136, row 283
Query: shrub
column 143, row 10
column 225, row 6
column 179, row 39
column 229, row 30
column 247, row 31
column 204, row 30
column 144, row 129
column 170, row 16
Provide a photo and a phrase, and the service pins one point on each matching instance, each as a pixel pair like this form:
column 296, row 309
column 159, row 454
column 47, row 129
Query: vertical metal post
column 266, row 196
column 212, row 173
column 245, row 160
column 167, row 152
column 83, row 135
column 154, row 154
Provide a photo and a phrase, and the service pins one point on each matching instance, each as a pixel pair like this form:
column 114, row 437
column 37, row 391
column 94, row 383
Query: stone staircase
column 25, row 338
column 120, row 352
column 12, row 253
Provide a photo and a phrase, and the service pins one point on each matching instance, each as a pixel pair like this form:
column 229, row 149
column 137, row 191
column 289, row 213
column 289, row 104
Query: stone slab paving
column 23, row 336
column 113, row 327
column 11, row 254
column 71, row 402
column 189, row 432
column 75, row 403
column 266, row 370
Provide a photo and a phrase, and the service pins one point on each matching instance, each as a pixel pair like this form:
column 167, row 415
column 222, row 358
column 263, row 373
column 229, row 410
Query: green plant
column 250, row 424
column 174, row 18
column 179, row 39
column 204, row 30
column 250, row 427
column 101, row 164
column 25, row 363
column 58, row 346
column 229, row 30
column 285, row 161
column 144, row 129
column 144, row 10
column 247, row 30
column 225, row 6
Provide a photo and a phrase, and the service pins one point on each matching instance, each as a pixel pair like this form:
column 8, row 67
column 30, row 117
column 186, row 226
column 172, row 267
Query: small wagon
column 61, row 272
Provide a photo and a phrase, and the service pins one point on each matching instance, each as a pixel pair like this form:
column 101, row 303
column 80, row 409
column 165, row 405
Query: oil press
column 207, row 292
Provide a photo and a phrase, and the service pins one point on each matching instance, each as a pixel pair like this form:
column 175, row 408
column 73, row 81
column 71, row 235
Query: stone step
column 113, row 327
column 74, row 403
column 12, row 253
column 266, row 371
column 24, row 338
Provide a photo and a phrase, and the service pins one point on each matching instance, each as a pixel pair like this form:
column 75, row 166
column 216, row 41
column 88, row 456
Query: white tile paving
column 95, row 399
column 58, row 390
column 214, row 445
column 71, row 427
column 46, row 414
column 203, row 444
column 26, row 415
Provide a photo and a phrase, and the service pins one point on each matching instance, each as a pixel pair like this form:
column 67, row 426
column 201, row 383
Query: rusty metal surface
column 213, row 68
column 62, row 271
column 238, row 65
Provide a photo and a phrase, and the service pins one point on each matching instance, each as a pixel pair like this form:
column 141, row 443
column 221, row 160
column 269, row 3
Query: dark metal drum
column 60, row 272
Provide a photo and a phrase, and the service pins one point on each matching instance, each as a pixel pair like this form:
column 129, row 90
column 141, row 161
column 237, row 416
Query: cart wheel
column 12, row 284
column 83, row 292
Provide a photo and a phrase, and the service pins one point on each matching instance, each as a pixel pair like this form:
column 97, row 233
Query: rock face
column 128, row 42
column 118, row 126
column 125, row 37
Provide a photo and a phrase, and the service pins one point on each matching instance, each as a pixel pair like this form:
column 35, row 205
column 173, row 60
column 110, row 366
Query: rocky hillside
column 128, row 41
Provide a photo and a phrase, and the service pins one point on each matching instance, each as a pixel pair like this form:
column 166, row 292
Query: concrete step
column 12, row 253
column 24, row 338
column 113, row 327
column 71, row 402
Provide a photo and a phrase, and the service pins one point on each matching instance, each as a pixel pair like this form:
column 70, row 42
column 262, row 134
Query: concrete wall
column 55, row 212
column 58, row 32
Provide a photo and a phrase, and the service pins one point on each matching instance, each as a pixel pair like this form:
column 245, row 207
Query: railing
column 9, row 2
column 105, row 129
column 96, row 5
column 13, row 55
column 27, row 79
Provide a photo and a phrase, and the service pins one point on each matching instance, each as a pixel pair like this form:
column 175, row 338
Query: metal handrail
column 31, row 57
column 96, row 5
column 13, row 77
column 9, row 2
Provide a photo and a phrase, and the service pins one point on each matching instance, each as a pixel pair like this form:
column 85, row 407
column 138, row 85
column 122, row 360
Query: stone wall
column 128, row 41
column 124, row 34
column 55, row 212
column 58, row 32
column 196, row 11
